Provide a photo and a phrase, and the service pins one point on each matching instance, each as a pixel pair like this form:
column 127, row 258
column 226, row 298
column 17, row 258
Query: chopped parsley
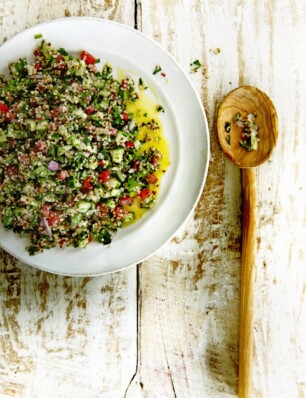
column 250, row 129
column 196, row 65
column 227, row 127
column 157, row 69
column 38, row 36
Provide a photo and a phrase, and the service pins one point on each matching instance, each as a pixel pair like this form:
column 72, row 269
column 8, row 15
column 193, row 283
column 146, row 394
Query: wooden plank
column 189, row 292
column 60, row 336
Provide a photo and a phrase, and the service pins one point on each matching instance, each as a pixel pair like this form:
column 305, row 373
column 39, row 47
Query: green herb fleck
column 215, row 50
column 157, row 69
column 141, row 84
column 227, row 127
column 38, row 36
column 228, row 139
column 196, row 65
column 145, row 114
column 159, row 108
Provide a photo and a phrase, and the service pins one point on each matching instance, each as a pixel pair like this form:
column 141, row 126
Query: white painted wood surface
column 170, row 327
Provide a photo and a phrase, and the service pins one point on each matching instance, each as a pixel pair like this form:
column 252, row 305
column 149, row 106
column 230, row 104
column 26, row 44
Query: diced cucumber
column 99, row 192
column 62, row 130
column 63, row 149
column 132, row 185
column 2, row 136
column 42, row 126
column 8, row 217
column 97, row 116
column 74, row 141
column 103, row 236
column 112, row 183
column 129, row 217
column 110, row 203
column 99, row 83
column 80, row 113
column 120, row 139
column 60, row 189
column 76, row 219
column 83, row 206
column 148, row 202
column 30, row 124
column 254, row 140
column 20, row 211
column 42, row 171
column 115, row 193
column 117, row 155
column 120, row 175
column 81, row 68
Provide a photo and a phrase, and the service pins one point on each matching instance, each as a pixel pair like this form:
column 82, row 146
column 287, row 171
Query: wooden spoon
column 247, row 100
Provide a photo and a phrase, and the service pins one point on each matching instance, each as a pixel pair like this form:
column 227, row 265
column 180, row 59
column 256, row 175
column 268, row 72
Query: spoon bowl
column 247, row 100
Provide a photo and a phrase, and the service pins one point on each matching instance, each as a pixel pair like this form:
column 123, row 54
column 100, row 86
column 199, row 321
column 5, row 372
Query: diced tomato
column 40, row 146
column 59, row 58
column 88, row 58
column 24, row 158
column 45, row 211
column 144, row 193
column 53, row 218
column 151, row 178
column 129, row 144
column 103, row 210
column 87, row 185
column 37, row 66
column 89, row 238
column 124, row 84
column 113, row 95
column 10, row 115
column 11, row 142
column 62, row 175
column 4, row 108
column 119, row 212
column 55, row 112
column 102, row 163
column 126, row 200
column 12, row 170
column 125, row 116
column 135, row 164
column 89, row 110
column 155, row 160
column 37, row 52
column 105, row 176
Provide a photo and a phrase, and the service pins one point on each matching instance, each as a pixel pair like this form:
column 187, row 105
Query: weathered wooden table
column 169, row 327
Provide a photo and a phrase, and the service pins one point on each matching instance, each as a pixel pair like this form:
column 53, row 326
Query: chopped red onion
column 53, row 166
column 47, row 227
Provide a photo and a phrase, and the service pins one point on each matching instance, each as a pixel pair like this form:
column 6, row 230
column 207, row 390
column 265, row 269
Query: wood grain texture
column 189, row 294
column 248, row 261
column 64, row 337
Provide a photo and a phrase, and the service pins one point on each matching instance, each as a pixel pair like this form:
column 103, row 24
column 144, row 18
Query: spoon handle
column 247, row 283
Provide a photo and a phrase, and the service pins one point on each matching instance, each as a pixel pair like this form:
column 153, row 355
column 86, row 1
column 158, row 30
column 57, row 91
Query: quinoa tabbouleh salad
column 81, row 152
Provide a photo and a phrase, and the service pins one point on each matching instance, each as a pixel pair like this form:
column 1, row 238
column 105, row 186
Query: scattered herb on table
column 215, row 51
column 157, row 69
column 195, row 65
column 38, row 36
